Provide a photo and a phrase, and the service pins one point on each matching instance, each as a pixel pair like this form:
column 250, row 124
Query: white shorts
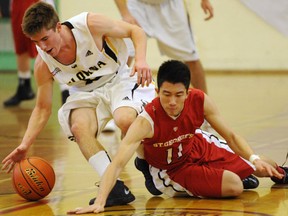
column 120, row 91
column 167, row 22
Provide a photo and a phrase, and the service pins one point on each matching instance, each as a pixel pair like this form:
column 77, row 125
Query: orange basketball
column 33, row 178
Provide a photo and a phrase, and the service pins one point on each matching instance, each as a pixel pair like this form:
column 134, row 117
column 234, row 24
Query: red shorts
column 22, row 44
column 201, row 175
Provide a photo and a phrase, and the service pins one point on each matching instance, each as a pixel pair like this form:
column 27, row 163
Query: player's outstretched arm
column 39, row 116
column 139, row 130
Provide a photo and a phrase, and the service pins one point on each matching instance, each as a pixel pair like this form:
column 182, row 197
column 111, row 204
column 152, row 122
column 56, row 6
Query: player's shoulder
column 193, row 92
column 40, row 63
column 40, row 68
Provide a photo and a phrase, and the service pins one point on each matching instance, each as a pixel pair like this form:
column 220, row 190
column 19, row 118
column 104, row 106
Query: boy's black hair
column 173, row 71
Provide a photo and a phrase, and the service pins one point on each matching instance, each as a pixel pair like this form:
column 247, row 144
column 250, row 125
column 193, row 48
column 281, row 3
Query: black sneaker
column 250, row 182
column 120, row 195
column 24, row 92
column 284, row 180
column 143, row 166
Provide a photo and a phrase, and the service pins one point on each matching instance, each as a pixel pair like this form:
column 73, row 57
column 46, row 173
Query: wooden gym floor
column 254, row 104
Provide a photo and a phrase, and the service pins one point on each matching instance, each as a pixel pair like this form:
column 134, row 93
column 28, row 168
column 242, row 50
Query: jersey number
column 170, row 153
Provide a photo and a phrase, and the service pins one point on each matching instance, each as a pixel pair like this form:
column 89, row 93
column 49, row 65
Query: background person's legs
column 24, row 90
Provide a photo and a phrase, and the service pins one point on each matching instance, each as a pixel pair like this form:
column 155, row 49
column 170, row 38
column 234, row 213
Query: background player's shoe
column 24, row 92
column 119, row 195
column 284, row 180
column 143, row 166
column 250, row 182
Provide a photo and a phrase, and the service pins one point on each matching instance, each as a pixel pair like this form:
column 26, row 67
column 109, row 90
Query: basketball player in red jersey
column 182, row 158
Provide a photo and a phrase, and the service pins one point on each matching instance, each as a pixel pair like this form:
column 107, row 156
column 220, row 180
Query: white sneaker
column 110, row 126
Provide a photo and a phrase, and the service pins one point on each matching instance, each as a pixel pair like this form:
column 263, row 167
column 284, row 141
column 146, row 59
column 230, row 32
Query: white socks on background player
column 24, row 74
column 100, row 162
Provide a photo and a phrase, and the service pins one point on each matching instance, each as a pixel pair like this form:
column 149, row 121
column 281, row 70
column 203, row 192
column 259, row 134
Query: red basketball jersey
column 172, row 140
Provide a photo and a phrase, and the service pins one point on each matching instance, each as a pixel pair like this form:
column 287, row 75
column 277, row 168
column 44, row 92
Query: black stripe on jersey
column 109, row 51
column 68, row 24
column 134, row 88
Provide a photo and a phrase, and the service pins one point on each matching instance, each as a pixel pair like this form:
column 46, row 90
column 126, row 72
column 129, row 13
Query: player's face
column 172, row 97
column 48, row 40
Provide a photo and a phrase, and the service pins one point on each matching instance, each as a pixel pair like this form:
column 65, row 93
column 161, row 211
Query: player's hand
column 95, row 208
column 144, row 74
column 15, row 156
column 208, row 9
column 130, row 19
column 263, row 166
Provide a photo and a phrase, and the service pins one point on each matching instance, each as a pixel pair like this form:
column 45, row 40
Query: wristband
column 253, row 157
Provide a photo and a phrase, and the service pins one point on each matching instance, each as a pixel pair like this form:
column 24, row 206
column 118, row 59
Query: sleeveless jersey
column 92, row 67
column 173, row 138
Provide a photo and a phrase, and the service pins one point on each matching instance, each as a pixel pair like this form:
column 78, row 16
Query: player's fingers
column 148, row 77
column 4, row 160
column 85, row 210
column 132, row 73
column 98, row 210
column 10, row 167
column 143, row 78
column 210, row 14
column 4, row 166
column 277, row 174
column 208, row 18
column 8, row 158
column 74, row 210
column 139, row 77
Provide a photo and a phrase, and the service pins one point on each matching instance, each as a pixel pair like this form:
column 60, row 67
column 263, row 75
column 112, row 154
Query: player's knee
column 79, row 128
column 75, row 129
column 232, row 185
column 124, row 121
column 233, row 191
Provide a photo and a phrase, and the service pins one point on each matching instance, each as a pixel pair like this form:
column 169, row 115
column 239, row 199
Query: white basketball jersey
column 92, row 67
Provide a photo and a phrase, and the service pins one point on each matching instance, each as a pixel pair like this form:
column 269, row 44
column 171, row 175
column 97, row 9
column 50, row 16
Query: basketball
column 33, row 178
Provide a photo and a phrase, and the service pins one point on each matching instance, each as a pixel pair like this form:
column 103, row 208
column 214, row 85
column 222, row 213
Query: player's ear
column 58, row 27
column 157, row 90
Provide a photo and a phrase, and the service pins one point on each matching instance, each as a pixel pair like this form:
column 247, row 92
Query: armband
column 253, row 157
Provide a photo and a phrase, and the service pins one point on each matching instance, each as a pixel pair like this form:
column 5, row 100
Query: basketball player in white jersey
column 168, row 22
column 88, row 53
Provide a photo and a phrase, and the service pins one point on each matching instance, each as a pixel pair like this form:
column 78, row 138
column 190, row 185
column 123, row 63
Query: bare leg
column 124, row 117
column 197, row 73
column 84, row 127
column 23, row 62
column 232, row 185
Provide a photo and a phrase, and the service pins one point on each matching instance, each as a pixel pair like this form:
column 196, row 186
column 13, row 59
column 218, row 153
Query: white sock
column 24, row 74
column 100, row 162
